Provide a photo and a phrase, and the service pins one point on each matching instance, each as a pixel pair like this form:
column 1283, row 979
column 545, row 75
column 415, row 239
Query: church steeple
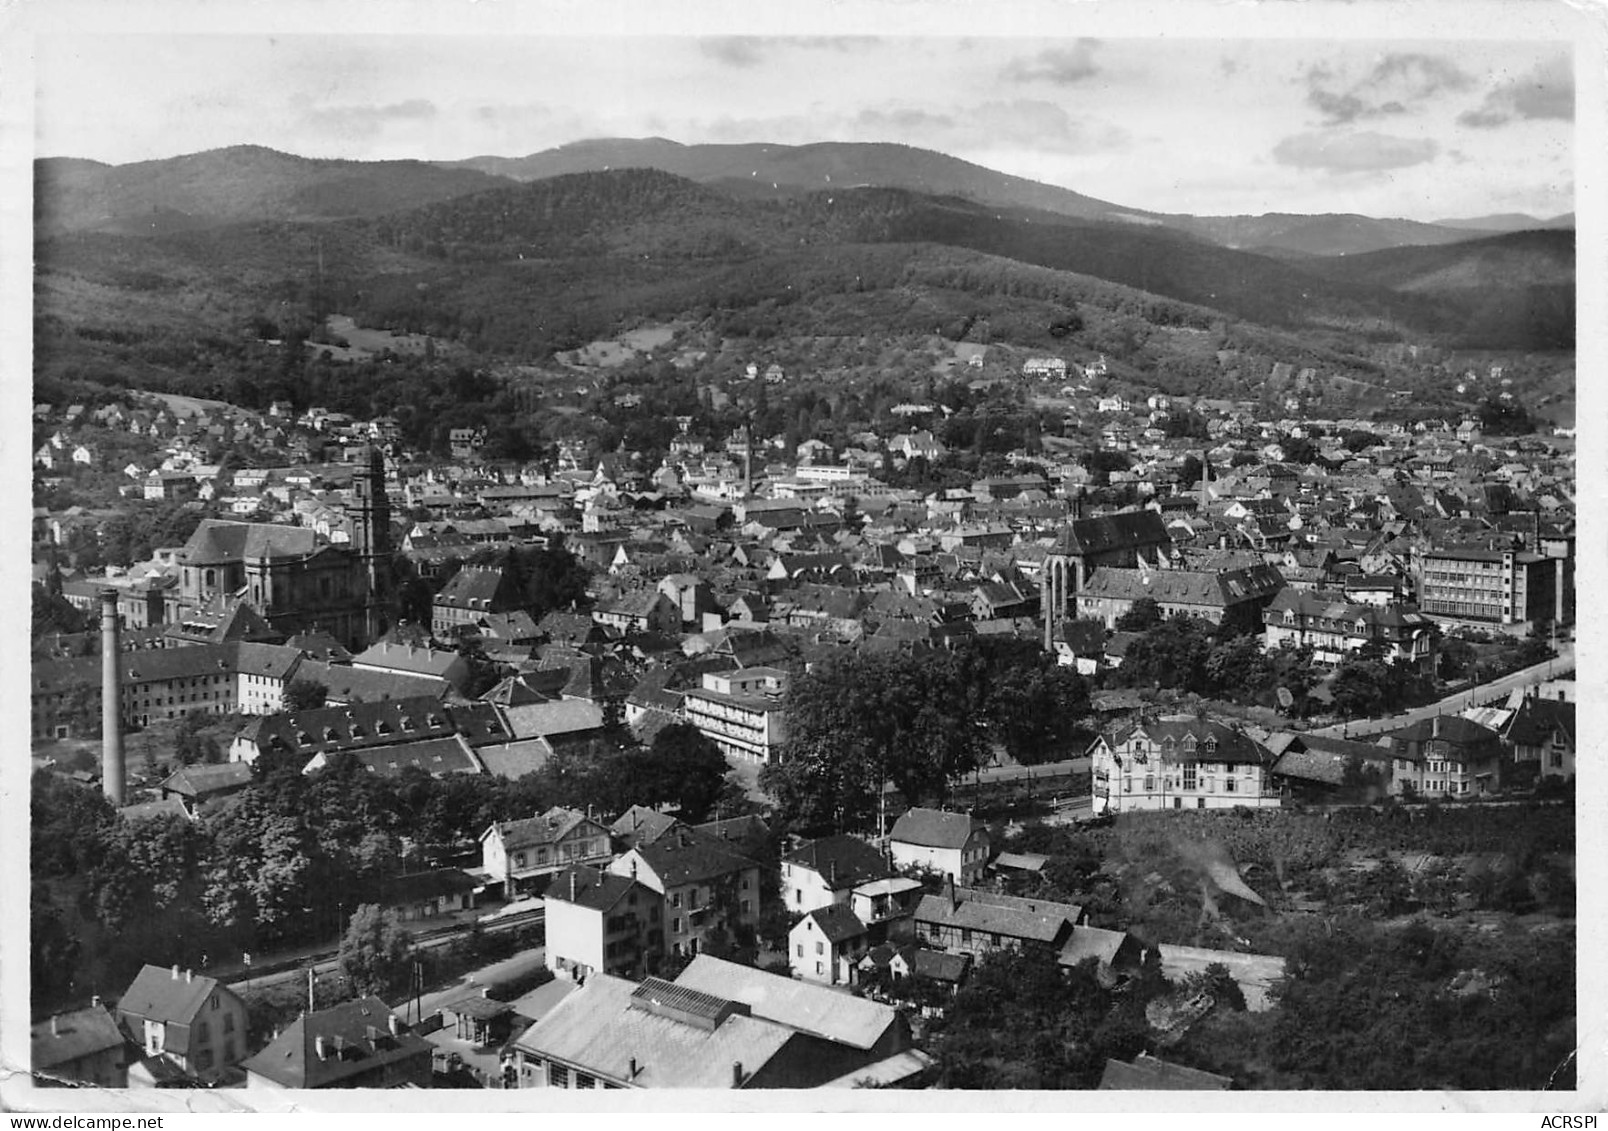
column 371, row 540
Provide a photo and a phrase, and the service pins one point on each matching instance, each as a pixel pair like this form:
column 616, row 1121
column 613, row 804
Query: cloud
column 1363, row 152
column 734, row 50
column 1396, row 84
column 1062, row 66
column 353, row 119
column 1545, row 93
column 751, row 50
column 1021, row 123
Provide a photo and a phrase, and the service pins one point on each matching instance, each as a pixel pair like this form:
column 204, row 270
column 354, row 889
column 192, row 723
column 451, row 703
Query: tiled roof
column 547, row 828
column 837, row 922
column 932, row 828
column 687, row 857
column 70, row 1036
column 842, row 861
column 217, row 541
column 169, row 995
column 357, row 1039
column 589, row 888
column 1038, row 920
column 194, row 781
column 1106, row 533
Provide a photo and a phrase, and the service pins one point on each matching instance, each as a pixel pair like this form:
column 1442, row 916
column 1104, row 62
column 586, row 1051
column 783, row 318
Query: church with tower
column 293, row 580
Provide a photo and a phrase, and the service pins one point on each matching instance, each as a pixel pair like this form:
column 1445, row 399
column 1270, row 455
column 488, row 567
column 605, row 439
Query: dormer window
column 382, row 727
column 303, row 738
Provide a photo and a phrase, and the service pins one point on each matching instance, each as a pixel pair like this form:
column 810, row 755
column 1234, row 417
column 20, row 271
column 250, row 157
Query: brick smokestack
column 111, row 701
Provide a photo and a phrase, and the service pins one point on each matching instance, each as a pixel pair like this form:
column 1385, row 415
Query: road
column 1483, row 695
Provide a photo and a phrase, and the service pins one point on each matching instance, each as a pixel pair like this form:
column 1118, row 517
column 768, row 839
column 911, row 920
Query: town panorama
column 825, row 616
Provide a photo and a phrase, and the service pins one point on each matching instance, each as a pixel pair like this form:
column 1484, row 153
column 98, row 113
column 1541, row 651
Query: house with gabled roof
column 1445, row 756
column 953, row 845
column 357, row 1044
column 1180, row 762
column 599, row 922
column 971, row 921
column 707, row 884
column 473, row 593
column 827, row 944
column 183, row 1022
column 825, row 871
column 1209, row 595
column 79, row 1047
column 524, row 855
column 1541, row 733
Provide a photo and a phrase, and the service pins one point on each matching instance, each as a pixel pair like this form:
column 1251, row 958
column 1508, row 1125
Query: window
column 820, row 947
column 519, row 859
column 203, row 1060
column 585, row 1080
column 798, row 895
column 228, row 1051
column 801, row 950
column 203, row 1033
column 675, row 926
column 1189, row 776
column 557, row 1075
column 820, row 968
column 675, row 900
column 1150, row 783
column 1228, row 784
column 1127, row 784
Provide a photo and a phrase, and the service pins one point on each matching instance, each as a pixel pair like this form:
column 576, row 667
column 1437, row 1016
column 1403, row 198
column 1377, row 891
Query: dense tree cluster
column 290, row 857
column 917, row 721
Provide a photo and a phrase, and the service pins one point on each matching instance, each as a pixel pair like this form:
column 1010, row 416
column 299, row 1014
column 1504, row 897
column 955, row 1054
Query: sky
column 1425, row 129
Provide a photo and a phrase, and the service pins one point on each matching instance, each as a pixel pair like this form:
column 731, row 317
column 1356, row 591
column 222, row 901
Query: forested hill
column 1514, row 287
column 222, row 186
column 649, row 214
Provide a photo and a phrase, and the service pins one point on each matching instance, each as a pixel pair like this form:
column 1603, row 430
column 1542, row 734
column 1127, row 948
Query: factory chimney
column 111, row 701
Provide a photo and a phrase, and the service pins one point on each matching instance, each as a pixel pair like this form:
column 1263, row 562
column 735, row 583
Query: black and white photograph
column 954, row 557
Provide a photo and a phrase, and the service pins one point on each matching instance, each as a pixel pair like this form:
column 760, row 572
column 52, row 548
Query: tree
column 864, row 719
column 1140, row 616
column 303, row 694
column 683, row 767
column 375, row 951
column 1171, row 655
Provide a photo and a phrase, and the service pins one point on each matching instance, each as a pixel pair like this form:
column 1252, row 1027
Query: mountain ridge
column 257, row 182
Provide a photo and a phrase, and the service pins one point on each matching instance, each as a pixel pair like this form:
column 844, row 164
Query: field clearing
column 364, row 343
column 622, row 349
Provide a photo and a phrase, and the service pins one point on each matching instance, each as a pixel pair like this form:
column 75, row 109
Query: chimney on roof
column 55, row 1030
column 94, row 1001
column 634, row 1068
column 175, row 971
column 736, row 1074
column 572, row 885
column 320, row 1048
column 395, row 1025
column 954, row 900
column 189, row 975
column 1434, row 728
